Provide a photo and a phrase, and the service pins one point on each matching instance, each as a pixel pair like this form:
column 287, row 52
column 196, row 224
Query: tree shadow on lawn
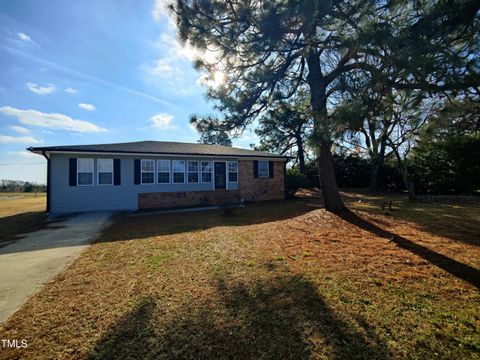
column 283, row 318
column 158, row 224
column 455, row 268
column 456, row 220
column 12, row 226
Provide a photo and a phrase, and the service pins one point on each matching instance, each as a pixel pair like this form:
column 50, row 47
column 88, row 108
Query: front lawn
column 274, row 280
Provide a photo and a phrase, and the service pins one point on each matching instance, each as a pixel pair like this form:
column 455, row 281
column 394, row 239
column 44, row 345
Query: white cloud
column 162, row 121
column 37, row 89
column 160, row 11
column 162, row 66
column 175, row 57
column 70, row 90
column 88, row 107
column 24, row 37
column 52, row 121
column 6, row 139
column 20, row 129
column 173, row 50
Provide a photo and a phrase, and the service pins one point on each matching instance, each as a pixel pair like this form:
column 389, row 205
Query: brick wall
column 188, row 198
column 250, row 189
column 260, row 189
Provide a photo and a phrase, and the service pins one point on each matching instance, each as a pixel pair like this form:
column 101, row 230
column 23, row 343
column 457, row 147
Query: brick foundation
column 190, row 198
column 250, row 189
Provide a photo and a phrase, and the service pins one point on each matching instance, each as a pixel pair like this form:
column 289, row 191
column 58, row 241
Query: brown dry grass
column 20, row 213
column 273, row 280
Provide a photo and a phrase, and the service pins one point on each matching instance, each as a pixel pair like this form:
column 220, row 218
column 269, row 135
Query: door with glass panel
column 220, row 175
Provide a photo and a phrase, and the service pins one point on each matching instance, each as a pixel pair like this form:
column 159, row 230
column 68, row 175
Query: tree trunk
column 328, row 183
column 377, row 164
column 411, row 191
column 322, row 133
column 402, row 167
column 408, row 183
column 301, row 155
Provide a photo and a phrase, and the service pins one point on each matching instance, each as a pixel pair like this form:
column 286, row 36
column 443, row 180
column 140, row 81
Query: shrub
column 295, row 181
column 442, row 167
column 351, row 171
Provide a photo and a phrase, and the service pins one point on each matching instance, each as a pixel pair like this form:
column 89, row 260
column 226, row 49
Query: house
column 157, row 174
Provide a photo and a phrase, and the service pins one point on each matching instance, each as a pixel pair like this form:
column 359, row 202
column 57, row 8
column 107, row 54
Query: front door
column 220, row 175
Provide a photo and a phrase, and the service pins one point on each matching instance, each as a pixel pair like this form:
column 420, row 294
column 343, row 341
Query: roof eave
column 40, row 150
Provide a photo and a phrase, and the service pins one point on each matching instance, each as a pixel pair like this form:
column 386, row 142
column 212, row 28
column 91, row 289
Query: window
column 263, row 168
column 192, row 172
column 206, row 171
column 84, row 171
column 178, row 171
column 232, row 171
column 105, row 171
column 163, row 169
column 148, row 171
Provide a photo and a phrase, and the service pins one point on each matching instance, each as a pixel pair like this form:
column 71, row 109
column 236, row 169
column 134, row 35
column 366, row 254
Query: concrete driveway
column 30, row 262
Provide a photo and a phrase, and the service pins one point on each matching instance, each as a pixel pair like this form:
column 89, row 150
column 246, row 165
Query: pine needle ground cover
column 275, row 280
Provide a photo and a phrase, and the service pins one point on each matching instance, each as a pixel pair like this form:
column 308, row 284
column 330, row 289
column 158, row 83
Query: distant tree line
column 21, row 186
column 445, row 166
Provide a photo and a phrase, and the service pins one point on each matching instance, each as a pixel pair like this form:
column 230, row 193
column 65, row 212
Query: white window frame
column 98, row 172
column 193, row 172
column 142, row 172
column 268, row 169
column 86, row 172
column 228, row 171
column 173, row 172
column 169, row 171
column 206, row 172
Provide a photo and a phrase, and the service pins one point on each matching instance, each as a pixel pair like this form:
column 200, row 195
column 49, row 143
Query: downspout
column 285, row 180
column 48, row 181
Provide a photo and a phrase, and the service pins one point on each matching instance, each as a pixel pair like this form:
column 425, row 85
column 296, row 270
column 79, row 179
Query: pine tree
column 286, row 128
column 269, row 49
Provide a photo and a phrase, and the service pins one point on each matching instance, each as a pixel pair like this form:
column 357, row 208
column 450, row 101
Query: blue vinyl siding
column 65, row 198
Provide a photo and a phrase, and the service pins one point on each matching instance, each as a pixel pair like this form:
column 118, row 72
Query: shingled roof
column 158, row 147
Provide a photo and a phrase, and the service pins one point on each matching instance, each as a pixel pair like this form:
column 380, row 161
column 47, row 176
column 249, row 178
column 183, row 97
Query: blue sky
column 80, row 72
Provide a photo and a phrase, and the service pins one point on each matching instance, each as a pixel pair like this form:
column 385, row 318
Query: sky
column 89, row 72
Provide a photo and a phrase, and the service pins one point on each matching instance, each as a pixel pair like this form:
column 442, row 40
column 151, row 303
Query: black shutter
column 116, row 172
column 270, row 169
column 72, row 172
column 136, row 171
column 255, row 168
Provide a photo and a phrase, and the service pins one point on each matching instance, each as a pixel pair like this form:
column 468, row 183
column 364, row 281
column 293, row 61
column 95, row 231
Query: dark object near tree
column 387, row 205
